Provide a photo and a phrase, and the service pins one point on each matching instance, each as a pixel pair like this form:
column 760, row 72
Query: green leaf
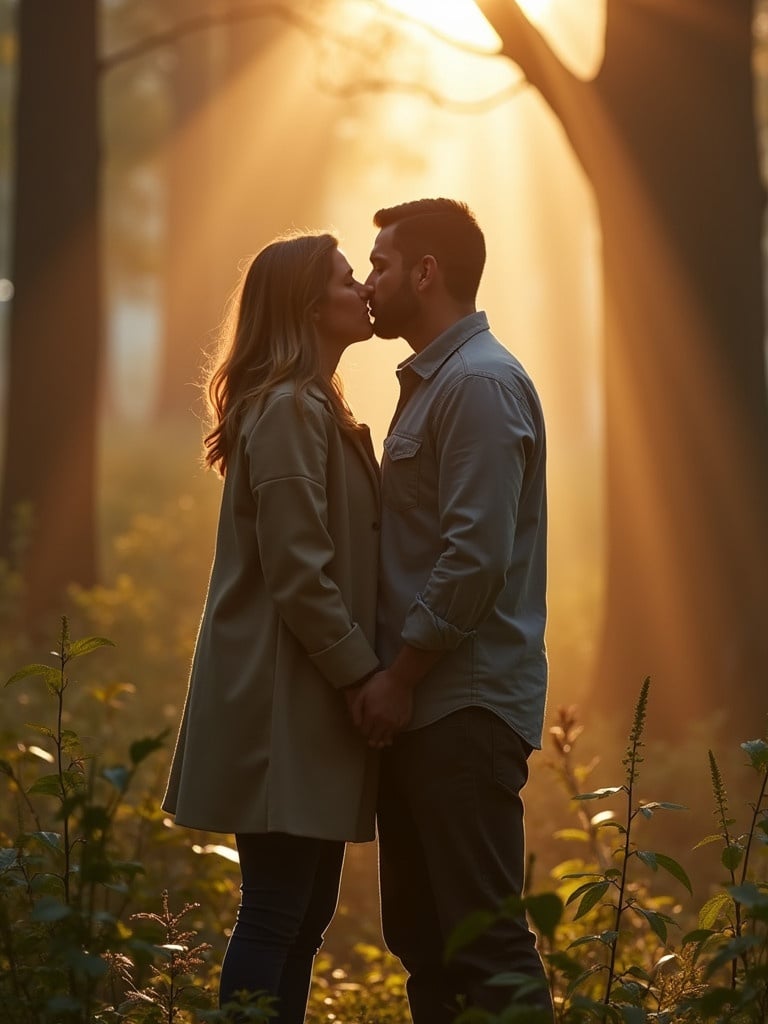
column 583, row 940
column 69, row 741
column 48, row 784
column 736, row 947
column 595, row 894
column 732, row 856
column 119, row 776
column 577, row 835
column 545, row 910
column 599, row 794
column 757, row 751
column 471, row 928
column 581, row 874
column 607, row 938
column 632, row 1014
column 748, row 895
column 583, row 888
column 586, row 974
column 128, row 868
column 648, row 858
column 141, row 749
column 95, row 819
column 50, row 676
column 49, row 909
column 662, row 805
column 656, row 921
column 697, row 935
column 8, row 859
column 715, row 908
column 715, row 838
column 89, row 964
column 43, row 730
column 90, row 643
column 524, row 984
column 51, row 840
column 676, row 870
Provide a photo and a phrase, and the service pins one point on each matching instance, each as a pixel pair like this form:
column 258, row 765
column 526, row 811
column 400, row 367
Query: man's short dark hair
column 445, row 229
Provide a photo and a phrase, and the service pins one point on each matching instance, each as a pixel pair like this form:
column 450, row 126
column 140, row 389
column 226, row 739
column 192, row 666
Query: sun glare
column 459, row 19
column 535, row 9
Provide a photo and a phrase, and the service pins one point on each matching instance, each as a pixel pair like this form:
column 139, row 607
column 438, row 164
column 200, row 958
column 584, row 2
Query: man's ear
column 427, row 270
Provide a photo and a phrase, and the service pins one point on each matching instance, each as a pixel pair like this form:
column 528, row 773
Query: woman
column 266, row 748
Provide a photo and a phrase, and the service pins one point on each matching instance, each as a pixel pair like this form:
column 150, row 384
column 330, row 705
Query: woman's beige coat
column 266, row 743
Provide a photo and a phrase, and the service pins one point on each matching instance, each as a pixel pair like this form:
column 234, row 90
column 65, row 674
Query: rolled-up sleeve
column 287, row 450
column 482, row 431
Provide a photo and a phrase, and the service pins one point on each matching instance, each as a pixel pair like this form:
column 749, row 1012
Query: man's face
column 394, row 305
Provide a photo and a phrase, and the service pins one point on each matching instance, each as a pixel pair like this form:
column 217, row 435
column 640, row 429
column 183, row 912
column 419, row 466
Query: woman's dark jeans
column 289, row 893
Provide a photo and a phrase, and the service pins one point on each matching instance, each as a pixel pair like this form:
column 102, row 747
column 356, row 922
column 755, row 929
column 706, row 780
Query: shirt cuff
column 348, row 660
column 424, row 629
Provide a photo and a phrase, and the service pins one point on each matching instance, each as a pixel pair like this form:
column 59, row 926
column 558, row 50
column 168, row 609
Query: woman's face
column 341, row 317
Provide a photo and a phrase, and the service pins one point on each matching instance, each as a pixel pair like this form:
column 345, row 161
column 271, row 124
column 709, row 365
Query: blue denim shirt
column 463, row 529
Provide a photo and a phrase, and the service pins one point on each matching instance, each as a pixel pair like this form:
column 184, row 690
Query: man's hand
column 382, row 707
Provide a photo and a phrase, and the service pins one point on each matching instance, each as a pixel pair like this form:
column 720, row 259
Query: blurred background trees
column 665, row 132
column 200, row 128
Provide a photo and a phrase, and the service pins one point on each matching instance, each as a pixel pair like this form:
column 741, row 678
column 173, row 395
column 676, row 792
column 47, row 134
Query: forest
column 615, row 153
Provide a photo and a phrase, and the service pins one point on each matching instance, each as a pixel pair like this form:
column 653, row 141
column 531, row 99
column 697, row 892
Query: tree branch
column 379, row 85
column 203, row 22
column 314, row 28
column 283, row 11
column 524, row 44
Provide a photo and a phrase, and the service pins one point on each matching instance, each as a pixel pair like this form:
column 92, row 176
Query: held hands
column 381, row 707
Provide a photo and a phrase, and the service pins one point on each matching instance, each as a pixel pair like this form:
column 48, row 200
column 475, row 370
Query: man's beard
column 391, row 318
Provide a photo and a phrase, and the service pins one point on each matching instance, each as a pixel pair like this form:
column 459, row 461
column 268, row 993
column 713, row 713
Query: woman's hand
column 381, row 707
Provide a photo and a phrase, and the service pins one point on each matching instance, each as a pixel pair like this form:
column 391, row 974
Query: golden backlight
column 462, row 20
column 458, row 19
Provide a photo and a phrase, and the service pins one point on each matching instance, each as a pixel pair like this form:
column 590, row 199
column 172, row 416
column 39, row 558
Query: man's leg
column 410, row 923
column 461, row 779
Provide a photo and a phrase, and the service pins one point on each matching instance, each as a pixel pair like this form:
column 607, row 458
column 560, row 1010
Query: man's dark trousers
column 451, row 842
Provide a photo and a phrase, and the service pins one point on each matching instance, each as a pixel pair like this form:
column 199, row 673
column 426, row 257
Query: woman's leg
column 286, row 882
column 297, row 972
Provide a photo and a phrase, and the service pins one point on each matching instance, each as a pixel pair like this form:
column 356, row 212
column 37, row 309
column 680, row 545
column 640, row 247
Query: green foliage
column 87, row 858
column 67, row 947
column 607, row 941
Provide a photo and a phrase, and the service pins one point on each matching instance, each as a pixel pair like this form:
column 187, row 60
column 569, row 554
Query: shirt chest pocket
column 400, row 472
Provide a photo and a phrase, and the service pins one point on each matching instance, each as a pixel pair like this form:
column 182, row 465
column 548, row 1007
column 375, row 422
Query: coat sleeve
column 287, row 449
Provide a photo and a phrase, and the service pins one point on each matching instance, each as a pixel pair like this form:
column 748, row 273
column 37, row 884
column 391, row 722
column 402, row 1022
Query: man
column 460, row 704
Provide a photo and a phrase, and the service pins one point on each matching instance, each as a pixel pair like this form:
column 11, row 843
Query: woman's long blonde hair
column 269, row 337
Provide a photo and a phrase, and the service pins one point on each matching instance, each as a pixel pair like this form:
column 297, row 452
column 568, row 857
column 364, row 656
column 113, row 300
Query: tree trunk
column 666, row 134
column 55, row 326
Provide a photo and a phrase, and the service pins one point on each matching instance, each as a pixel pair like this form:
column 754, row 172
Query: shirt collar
column 427, row 362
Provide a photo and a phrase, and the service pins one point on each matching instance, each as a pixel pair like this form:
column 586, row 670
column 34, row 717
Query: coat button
column 375, row 526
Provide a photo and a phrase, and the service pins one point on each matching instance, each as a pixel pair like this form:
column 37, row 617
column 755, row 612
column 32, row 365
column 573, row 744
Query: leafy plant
column 62, row 883
column 732, row 936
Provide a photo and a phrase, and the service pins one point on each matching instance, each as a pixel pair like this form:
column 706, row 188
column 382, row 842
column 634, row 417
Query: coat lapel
column 360, row 441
